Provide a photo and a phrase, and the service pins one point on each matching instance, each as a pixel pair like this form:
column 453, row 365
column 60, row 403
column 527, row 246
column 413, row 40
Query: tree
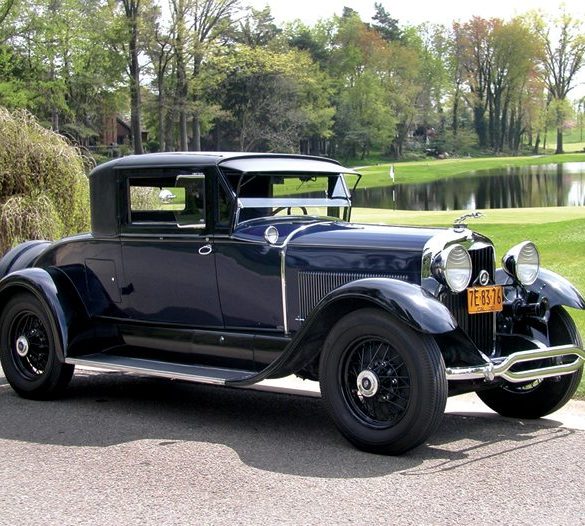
column 271, row 99
column 211, row 18
column 316, row 40
column 54, row 62
column 132, row 12
column 404, row 91
column 257, row 28
column 5, row 8
column 498, row 78
column 179, row 9
column 160, row 52
column 509, row 84
column 563, row 58
column 359, row 63
column 386, row 26
column 473, row 43
column 432, row 75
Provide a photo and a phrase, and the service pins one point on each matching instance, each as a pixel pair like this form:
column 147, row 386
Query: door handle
column 205, row 250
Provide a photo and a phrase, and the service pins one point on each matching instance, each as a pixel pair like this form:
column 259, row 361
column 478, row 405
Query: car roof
column 241, row 161
column 103, row 179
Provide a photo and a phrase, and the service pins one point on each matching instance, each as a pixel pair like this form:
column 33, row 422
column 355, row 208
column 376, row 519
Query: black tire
column 407, row 367
column 27, row 350
column 540, row 398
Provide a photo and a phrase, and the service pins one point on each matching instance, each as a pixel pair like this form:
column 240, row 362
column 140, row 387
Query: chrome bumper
column 501, row 369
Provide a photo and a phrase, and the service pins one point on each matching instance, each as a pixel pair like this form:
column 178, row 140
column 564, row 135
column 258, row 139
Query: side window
column 154, row 199
column 170, row 201
column 193, row 189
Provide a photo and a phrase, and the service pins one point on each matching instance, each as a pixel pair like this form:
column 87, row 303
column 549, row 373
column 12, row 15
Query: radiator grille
column 313, row 286
column 479, row 327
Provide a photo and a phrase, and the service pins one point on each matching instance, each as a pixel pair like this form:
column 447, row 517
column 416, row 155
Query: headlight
column 452, row 267
column 522, row 262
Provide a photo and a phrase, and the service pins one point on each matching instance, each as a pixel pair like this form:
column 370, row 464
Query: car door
column 169, row 270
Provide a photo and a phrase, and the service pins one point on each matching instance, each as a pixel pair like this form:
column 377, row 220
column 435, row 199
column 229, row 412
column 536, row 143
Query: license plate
column 484, row 299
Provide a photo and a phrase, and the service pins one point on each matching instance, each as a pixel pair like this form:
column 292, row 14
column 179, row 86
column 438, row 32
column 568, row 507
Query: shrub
column 43, row 188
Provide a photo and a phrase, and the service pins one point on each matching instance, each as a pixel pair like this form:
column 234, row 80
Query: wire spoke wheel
column 383, row 383
column 28, row 349
column 29, row 344
column 376, row 382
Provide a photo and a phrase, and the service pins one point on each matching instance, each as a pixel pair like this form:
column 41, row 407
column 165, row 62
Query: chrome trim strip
column 283, row 248
column 283, row 290
column 493, row 370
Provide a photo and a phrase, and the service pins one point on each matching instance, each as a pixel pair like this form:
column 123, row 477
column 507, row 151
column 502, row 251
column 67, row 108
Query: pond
column 519, row 187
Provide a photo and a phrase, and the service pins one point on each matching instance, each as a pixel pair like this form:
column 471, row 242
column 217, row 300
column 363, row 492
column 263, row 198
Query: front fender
column 550, row 285
column 408, row 302
column 57, row 303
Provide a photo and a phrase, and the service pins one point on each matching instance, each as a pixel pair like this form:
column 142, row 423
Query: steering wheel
column 288, row 210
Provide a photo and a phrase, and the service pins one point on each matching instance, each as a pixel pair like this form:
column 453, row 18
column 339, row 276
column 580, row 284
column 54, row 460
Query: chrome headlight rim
column 453, row 268
column 271, row 235
column 522, row 263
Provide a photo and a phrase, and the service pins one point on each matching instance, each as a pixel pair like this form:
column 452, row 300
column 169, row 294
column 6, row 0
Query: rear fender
column 21, row 256
column 56, row 293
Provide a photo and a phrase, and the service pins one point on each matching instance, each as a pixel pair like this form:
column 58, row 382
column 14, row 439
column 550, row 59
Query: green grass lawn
column 559, row 234
column 574, row 147
column 433, row 169
column 571, row 137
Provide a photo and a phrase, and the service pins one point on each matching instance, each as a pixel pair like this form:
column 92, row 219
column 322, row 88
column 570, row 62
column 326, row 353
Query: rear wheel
column 541, row 397
column 27, row 350
column 383, row 383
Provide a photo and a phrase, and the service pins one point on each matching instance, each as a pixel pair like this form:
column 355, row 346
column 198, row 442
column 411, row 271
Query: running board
column 177, row 371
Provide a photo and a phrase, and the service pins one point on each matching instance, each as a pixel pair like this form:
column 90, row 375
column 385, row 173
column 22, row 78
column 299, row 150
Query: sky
column 413, row 12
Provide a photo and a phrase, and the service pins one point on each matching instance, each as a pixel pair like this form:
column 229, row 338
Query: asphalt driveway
column 127, row 450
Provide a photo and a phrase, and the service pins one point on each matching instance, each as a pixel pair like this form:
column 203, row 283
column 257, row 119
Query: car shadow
column 268, row 431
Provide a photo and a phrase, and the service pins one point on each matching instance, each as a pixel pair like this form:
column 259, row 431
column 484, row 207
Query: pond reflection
column 519, row 187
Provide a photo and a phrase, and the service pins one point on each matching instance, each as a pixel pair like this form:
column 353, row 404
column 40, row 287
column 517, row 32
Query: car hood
column 338, row 234
column 352, row 235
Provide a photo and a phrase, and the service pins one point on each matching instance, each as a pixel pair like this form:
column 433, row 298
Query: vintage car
column 254, row 271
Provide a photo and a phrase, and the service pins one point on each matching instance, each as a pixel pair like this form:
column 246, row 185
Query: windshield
column 263, row 195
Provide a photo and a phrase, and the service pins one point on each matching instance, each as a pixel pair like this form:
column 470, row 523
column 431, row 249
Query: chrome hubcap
column 22, row 346
column 367, row 383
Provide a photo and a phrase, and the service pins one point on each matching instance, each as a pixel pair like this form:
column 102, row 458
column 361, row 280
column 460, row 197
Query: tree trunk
column 161, row 124
column 54, row 119
column 182, row 88
column 182, row 100
column 480, row 125
column 559, row 140
column 183, row 146
column 135, row 114
column 135, row 103
column 536, row 143
column 170, row 139
column 196, row 128
column 196, row 123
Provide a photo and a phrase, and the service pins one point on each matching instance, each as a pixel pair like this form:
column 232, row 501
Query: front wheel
column 27, row 350
column 541, row 397
column 383, row 383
